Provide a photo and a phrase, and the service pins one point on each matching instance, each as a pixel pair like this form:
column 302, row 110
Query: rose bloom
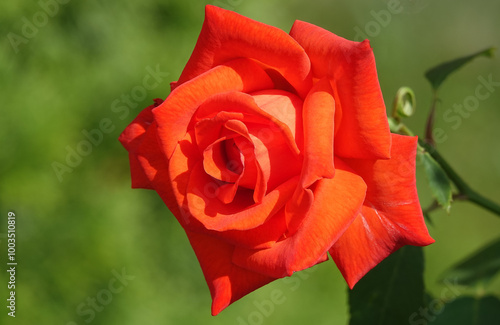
column 273, row 150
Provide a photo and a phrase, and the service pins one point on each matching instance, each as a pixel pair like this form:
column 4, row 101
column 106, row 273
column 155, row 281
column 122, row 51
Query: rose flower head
column 273, row 150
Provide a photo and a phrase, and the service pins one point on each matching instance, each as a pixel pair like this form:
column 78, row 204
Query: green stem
column 463, row 188
column 429, row 127
column 484, row 202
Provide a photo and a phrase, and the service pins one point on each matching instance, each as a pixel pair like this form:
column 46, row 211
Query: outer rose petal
column 337, row 202
column 131, row 138
column 227, row 35
column 227, row 282
column 391, row 216
column 140, row 139
column 363, row 131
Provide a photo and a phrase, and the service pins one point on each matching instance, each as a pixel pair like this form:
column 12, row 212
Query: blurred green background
column 65, row 75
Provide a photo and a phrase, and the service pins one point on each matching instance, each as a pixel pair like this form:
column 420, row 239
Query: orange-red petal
column 241, row 214
column 337, row 202
column 391, row 216
column 350, row 66
column 226, row 35
column 318, row 120
column 131, row 139
column 175, row 114
column 227, row 282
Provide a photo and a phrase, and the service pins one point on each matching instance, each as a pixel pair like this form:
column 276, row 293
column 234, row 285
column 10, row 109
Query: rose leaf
column 391, row 292
column 481, row 267
column 468, row 311
column 439, row 73
column 439, row 181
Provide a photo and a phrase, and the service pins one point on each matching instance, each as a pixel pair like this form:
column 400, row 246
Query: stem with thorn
column 465, row 192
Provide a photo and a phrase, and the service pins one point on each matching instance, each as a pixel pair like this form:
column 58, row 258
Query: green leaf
column 481, row 267
column 466, row 311
column 439, row 182
column 438, row 74
column 391, row 292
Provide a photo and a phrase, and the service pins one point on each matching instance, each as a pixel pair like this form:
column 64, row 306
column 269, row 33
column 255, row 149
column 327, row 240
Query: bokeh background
column 74, row 232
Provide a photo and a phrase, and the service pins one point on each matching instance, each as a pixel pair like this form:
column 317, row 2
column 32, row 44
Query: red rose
column 272, row 150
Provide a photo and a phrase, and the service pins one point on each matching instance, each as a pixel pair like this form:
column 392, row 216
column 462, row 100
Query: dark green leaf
column 391, row 292
column 439, row 182
column 480, row 267
column 438, row 74
column 464, row 311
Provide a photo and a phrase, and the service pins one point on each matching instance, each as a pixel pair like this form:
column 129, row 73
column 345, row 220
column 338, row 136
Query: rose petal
column 391, row 216
column 184, row 158
column 286, row 110
column 227, row 282
column 131, row 139
column 318, row 114
column 258, row 108
column 262, row 236
column 175, row 114
column 153, row 167
column 254, row 156
column 318, row 120
column 226, row 35
column 363, row 131
column 241, row 214
column 211, row 129
column 216, row 163
column 337, row 202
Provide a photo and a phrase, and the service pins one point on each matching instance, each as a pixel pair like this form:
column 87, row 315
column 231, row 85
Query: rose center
column 233, row 156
